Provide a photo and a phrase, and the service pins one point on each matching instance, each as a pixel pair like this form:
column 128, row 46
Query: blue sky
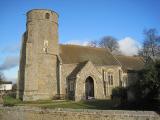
column 79, row 21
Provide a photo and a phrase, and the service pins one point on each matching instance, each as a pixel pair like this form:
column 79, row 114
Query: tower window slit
column 47, row 15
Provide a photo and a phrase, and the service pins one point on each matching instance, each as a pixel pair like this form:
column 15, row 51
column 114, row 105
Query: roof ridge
column 78, row 53
column 128, row 56
column 83, row 46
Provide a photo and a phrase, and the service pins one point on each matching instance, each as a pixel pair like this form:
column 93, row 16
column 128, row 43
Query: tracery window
column 110, row 78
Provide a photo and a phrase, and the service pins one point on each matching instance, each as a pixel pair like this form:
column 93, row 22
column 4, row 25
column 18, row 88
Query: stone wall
column 89, row 70
column 66, row 69
column 38, row 65
column 104, row 70
column 28, row 113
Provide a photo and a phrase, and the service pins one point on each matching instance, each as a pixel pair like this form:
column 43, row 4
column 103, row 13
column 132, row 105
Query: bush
column 150, row 81
column 148, row 85
column 119, row 93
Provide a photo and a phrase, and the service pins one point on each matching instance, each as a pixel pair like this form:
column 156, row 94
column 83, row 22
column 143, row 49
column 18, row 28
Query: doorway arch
column 89, row 88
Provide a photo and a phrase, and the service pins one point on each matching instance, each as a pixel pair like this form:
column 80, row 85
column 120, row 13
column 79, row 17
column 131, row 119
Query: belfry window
column 47, row 15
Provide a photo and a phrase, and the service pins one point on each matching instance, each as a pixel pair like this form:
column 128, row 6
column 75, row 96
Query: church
column 49, row 70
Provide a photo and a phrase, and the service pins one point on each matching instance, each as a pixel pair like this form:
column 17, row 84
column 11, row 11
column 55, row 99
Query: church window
column 125, row 81
column 120, row 74
column 110, row 78
column 45, row 48
column 104, row 75
column 45, row 43
column 120, row 77
column 47, row 15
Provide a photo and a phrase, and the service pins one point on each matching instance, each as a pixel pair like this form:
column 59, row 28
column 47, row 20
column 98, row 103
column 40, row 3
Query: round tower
column 42, row 49
column 42, row 26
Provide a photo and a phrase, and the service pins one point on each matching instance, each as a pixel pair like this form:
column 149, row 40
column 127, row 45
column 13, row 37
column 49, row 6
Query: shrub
column 119, row 93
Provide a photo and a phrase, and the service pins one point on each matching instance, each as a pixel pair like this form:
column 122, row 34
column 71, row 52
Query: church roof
column 77, row 69
column 131, row 62
column 75, row 54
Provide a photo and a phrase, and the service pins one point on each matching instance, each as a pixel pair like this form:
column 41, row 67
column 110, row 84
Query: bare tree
column 107, row 42
column 110, row 43
column 151, row 45
column 93, row 43
column 1, row 77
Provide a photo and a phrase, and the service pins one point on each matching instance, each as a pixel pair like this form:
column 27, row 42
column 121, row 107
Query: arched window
column 45, row 48
column 47, row 15
column 125, row 81
column 110, row 78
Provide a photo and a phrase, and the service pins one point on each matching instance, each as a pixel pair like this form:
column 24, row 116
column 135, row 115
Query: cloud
column 129, row 46
column 78, row 42
column 11, row 74
column 11, row 48
column 9, row 62
column 13, row 79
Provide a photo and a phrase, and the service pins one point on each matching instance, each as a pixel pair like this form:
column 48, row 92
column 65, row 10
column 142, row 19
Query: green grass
column 73, row 105
column 97, row 104
column 10, row 101
column 1, row 110
column 94, row 104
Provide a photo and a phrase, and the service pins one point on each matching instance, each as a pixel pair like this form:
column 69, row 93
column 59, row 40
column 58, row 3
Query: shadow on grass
column 101, row 104
column 152, row 105
column 91, row 104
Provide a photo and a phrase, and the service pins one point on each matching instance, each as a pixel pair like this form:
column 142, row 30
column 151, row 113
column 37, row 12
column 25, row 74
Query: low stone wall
column 33, row 113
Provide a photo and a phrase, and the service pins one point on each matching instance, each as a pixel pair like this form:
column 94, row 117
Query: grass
column 10, row 101
column 94, row 104
column 1, row 110
column 97, row 104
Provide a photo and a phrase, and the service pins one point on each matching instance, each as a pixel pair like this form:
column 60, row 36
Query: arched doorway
column 89, row 88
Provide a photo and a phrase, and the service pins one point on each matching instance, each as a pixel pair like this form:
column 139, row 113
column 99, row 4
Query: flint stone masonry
column 49, row 70
column 33, row 113
column 38, row 61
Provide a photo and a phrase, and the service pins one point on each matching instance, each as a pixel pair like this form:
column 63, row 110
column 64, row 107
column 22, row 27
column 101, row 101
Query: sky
column 80, row 21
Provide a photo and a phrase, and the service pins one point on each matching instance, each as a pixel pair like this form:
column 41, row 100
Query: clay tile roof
column 76, row 54
column 131, row 62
